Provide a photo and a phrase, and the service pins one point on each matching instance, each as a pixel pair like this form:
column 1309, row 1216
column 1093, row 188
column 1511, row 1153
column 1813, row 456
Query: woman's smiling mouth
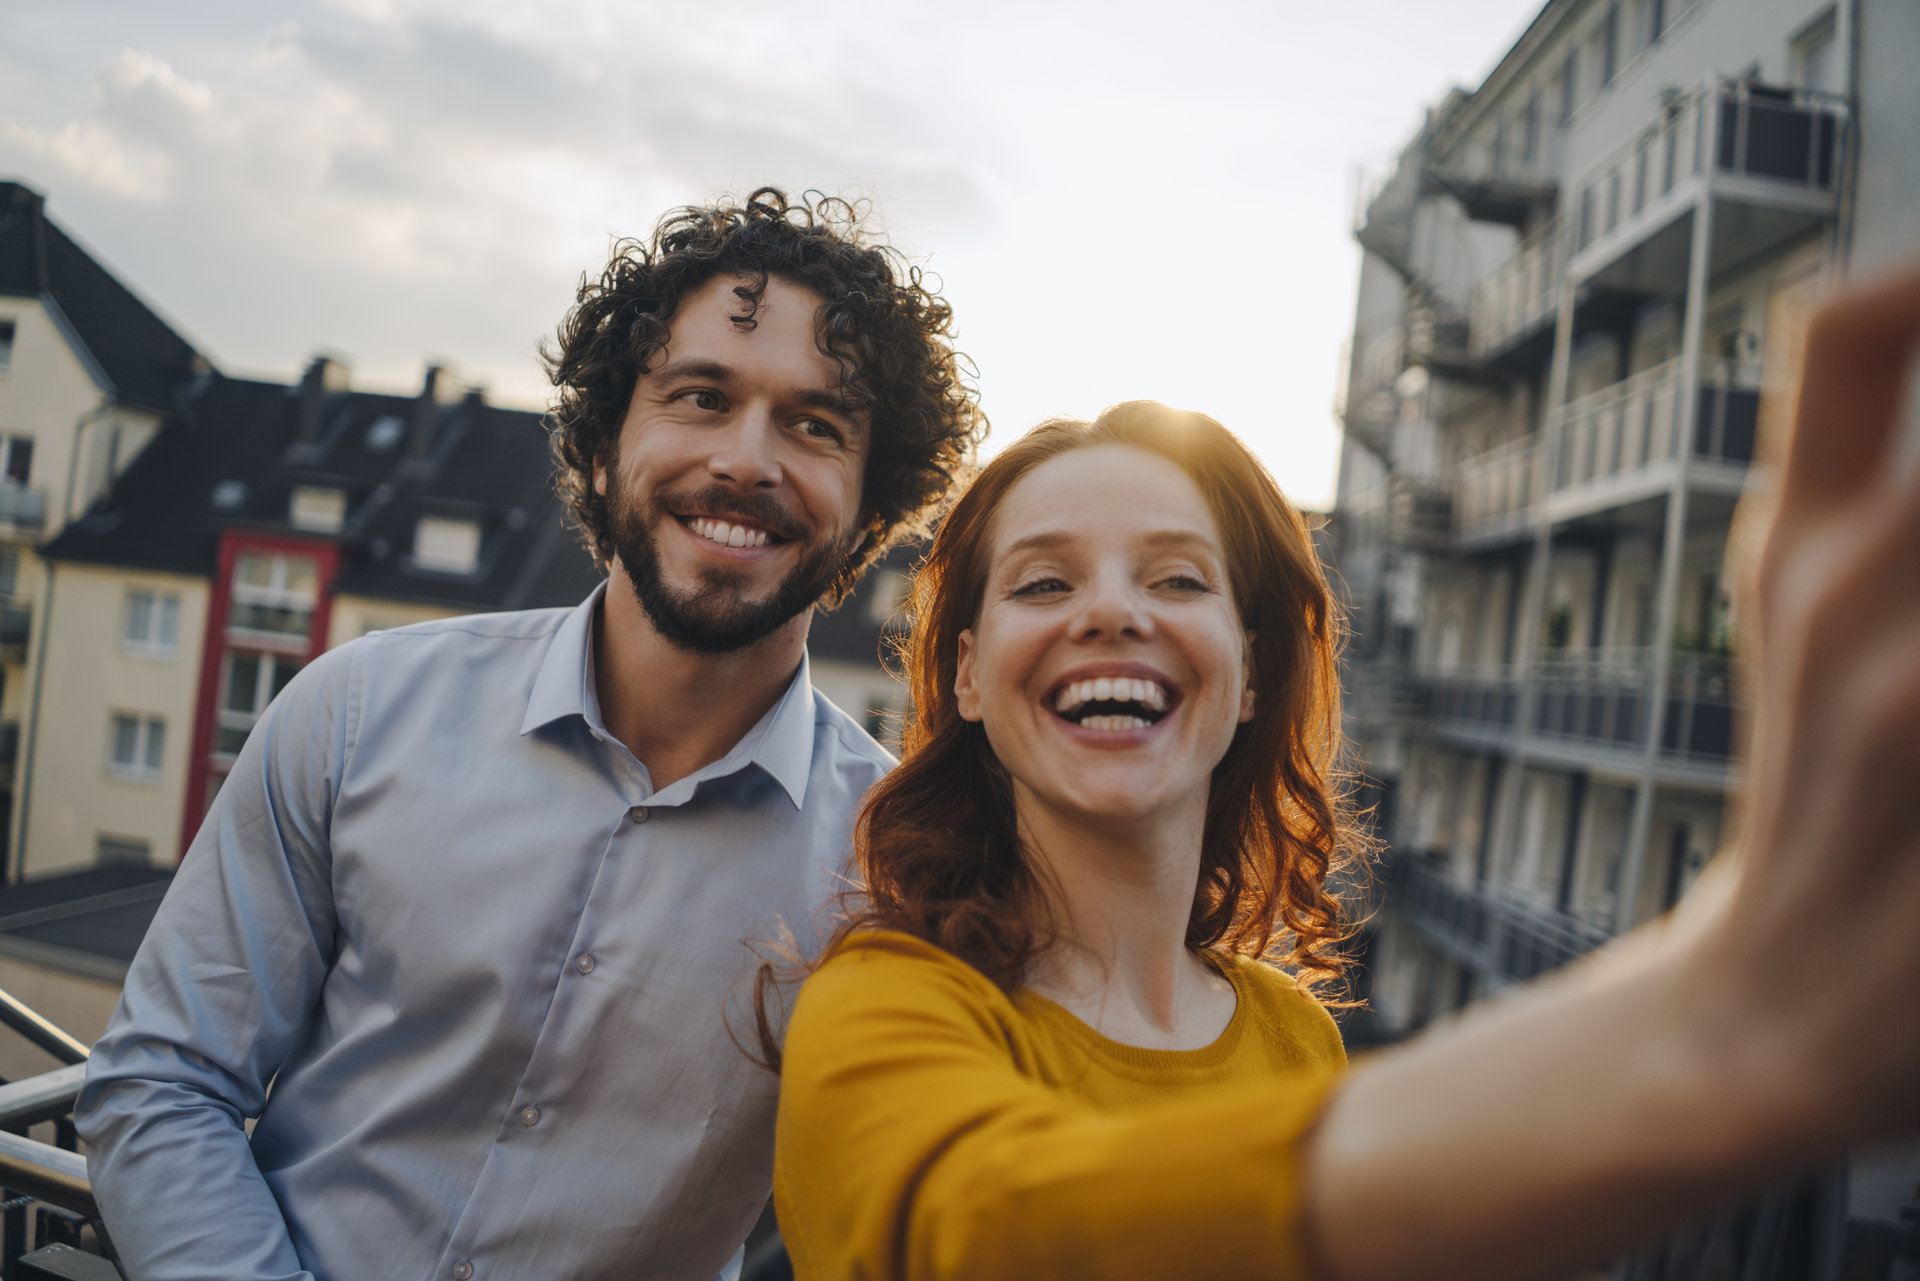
column 1112, row 703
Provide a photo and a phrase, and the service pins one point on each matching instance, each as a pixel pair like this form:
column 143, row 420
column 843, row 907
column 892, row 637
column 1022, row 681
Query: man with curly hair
column 471, row 903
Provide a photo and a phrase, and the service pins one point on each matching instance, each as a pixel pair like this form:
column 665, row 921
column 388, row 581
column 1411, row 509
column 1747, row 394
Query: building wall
column 355, row 616
column 77, row 796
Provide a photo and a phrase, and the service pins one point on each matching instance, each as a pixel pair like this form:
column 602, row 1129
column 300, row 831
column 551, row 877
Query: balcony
column 1519, row 299
column 1619, row 444
column 1774, row 152
column 16, row 627
column 1488, row 927
column 22, row 506
column 1590, row 707
column 1501, row 174
column 1494, row 493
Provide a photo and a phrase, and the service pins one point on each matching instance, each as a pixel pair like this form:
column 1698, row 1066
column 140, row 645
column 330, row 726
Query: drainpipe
column 19, row 873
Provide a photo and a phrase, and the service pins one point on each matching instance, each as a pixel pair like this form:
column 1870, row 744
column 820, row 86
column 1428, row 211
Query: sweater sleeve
column 912, row 1146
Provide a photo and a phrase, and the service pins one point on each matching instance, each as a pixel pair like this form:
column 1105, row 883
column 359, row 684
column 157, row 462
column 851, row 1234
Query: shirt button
column 638, row 813
column 463, row 1270
column 529, row 1116
column 584, row 964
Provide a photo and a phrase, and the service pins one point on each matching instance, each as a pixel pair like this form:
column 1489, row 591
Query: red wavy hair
column 936, row 847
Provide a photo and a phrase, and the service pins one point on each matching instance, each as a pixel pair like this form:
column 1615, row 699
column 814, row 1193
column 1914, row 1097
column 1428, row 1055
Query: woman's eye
column 1186, row 583
column 1040, row 587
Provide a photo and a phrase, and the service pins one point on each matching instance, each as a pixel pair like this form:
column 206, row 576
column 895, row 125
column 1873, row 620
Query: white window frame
column 317, row 509
column 225, row 717
column 274, row 594
column 160, row 638
column 147, row 759
column 447, row 544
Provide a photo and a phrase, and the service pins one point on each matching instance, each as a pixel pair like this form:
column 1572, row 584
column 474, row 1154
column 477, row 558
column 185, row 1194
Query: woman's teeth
column 719, row 531
column 1112, row 689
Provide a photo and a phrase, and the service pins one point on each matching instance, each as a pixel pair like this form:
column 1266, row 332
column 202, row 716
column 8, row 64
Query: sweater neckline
column 1142, row 1058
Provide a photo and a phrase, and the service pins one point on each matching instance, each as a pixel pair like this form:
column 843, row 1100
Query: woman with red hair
column 1047, row 1040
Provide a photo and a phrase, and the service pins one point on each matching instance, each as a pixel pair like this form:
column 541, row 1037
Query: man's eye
column 819, row 429
column 707, row 400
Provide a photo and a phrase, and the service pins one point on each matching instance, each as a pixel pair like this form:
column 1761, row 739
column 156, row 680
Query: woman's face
column 1108, row 663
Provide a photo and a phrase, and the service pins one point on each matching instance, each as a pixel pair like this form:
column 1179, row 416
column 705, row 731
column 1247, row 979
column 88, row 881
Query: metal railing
column 23, row 505
column 1598, row 697
column 1745, row 129
column 1642, row 420
column 1491, row 926
column 1522, row 294
column 50, row 1180
column 1496, row 488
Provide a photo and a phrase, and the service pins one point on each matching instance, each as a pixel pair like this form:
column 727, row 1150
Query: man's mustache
column 719, row 500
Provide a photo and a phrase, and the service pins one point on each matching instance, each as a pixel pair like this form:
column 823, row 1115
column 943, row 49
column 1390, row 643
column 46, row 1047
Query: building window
column 252, row 682
column 1610, row 44
column 891, row 592
column 122, row 850
column 449, row 546
column 274, row 593
column 323, row 511
column 19, row 459
column 135, row 745
column 9, row 572
column 1814, row 61
column 6, row 345
column 153, row 621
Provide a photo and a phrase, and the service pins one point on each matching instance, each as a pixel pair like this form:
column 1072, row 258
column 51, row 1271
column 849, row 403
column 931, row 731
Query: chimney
column 323, row 378
column 435, row 392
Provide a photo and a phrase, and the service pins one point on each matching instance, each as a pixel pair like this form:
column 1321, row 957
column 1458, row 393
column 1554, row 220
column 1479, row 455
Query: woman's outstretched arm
column 1720, row 1050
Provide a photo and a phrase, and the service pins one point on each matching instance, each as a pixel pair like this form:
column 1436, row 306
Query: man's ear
column 966, row 689
column 1246, row 681
column 600, row 475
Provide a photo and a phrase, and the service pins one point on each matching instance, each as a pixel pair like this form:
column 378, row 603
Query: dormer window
column 323, row 511
column 6, row 345
column 446, row 545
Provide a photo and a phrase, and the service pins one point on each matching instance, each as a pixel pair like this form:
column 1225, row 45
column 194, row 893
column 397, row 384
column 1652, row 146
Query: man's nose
column 746, row 451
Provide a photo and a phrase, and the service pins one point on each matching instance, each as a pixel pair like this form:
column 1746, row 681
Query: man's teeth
column 1111, row 689
column 727, row 535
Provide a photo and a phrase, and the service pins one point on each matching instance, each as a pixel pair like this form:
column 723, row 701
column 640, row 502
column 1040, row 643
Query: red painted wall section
column 219, row 603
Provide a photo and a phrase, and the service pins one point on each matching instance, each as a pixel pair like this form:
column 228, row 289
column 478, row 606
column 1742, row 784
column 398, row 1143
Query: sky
column 1120, row 199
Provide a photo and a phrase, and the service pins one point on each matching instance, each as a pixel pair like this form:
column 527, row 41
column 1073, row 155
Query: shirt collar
column 781, row 743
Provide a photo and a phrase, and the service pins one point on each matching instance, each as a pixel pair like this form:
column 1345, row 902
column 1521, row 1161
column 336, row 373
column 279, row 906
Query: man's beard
column 714, row 618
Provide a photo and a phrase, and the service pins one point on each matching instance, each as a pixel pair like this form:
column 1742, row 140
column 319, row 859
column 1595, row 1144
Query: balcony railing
column 1495, row 489
column 1748, row 130
column 1522, row 294
column 23, row 505
column 1640, row 421
column 1514, row 935
column 48, row 1180
column 1599, row 698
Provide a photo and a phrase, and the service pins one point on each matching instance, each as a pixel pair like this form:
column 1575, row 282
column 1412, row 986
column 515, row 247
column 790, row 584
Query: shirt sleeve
column 911, row 1146
column 221, row 989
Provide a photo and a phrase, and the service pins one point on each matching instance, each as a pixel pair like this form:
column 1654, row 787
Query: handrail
column 46, row 1173
column 22, row 1018
column 34, row 1099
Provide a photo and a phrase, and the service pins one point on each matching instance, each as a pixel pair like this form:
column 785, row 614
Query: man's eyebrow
column 692, row 371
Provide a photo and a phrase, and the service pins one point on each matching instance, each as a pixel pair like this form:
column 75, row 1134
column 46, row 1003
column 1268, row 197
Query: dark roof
column 90, row 921
column 234, row 456
column 125, row 344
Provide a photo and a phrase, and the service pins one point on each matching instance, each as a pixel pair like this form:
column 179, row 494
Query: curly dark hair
column 889, row 331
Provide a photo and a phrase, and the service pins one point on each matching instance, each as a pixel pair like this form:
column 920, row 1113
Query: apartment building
column 87, row 376
column 1581, row 289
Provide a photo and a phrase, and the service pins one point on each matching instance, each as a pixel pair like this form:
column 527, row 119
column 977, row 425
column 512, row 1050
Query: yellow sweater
column 932, row 1127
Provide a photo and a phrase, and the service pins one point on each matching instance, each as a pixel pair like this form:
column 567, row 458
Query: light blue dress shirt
column 487, row 970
